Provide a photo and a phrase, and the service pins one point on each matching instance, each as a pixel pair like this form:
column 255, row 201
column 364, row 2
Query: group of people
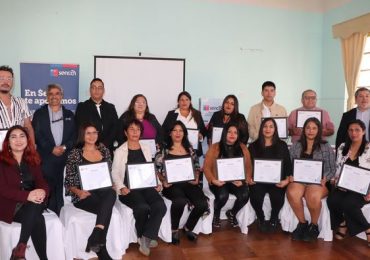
column 32, row 179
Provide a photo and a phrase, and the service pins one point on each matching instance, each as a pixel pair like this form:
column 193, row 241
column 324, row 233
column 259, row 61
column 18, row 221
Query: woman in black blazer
column 191, row 118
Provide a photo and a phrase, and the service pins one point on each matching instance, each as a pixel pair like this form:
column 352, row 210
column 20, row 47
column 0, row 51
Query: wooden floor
column 228, row 243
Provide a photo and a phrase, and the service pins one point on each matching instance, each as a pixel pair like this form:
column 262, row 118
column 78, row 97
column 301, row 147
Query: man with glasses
column 55, row 135
column 13, row 110
column 308, row 100
column 99, row 112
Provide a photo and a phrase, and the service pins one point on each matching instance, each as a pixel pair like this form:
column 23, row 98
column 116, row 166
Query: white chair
column 78, row 226
column 9, row 236
column 366, row 210
column 289, row 220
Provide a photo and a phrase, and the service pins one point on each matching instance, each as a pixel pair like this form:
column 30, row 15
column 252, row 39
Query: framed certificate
column 193, row 136
column 356, row 179
column 303, row 115
column 230, row 169
column 179, row 170
column 2, row 137
column 151, row 144
column 141, row 175
column 267, row 170
column 307, row 171
column 216, row 134
column 282, row 125
column 94, row 176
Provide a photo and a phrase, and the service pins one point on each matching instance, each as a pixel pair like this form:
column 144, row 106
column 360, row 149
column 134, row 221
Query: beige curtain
column 352, row 51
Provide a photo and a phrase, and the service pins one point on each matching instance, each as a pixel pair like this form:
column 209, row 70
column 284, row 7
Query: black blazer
column 342, row 130
column 44, row 137
column 171, row 119
column 106, row 124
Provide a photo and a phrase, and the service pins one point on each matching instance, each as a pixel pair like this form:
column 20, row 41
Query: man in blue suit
column 55, row 135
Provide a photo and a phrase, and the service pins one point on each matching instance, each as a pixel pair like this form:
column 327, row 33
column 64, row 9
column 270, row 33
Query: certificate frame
column 282, row 125
column 303, row 115
column 135, row 182
column 95, row 176
column 317, row 179
column 216, row 132
column 193, row 136
column 360, row 170
column 227, row 162
column 186, row 164
column 151, row 143
column 3, row 132
column 276, row 177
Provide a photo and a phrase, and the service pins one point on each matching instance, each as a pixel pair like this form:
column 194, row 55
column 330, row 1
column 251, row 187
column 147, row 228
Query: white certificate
column 355, row 179
column 94, row 176
column 303, row 115
column 151, row 144
column 2, row 137
column 141, row 175
column 282, row 126
column 230, row 169
column 307, row 171
column 193, row 136
column 216, row 134
column 179, row 170
column 267, row 171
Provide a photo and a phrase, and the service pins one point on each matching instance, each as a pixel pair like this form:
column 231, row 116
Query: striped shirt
column 19, row 112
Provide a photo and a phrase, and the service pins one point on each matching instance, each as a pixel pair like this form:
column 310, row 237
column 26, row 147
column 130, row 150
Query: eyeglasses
column 6, row 78
column 310, row 97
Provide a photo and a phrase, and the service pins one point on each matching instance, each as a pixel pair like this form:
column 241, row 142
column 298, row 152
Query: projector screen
column 160, row 80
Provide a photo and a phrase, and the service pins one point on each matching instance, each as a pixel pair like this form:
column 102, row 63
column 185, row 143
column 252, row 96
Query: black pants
column 181, row 194
column 53, row 174
column 149, row 209
column 258, row 192
column 346, row 206
column 222, row 195
column 101, row 203
column 33, row 225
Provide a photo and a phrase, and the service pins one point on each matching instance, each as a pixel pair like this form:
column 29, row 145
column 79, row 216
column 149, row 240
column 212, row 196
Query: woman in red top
column 23, row 191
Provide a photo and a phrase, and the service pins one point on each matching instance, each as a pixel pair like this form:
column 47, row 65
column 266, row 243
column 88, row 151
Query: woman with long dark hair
column 182, row 193
column 139, row 109
column 89, row 150
column 230, row 146
column 187, row 114
column 269, row 146
column 23, row 191
column 344, row 205
column 229, row 113
column 310, row 146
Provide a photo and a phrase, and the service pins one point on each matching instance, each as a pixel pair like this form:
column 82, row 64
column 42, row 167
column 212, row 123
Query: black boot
column 95, row 240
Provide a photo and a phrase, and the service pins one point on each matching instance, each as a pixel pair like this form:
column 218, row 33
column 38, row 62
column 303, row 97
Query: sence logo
column 64, row 72
column 208, row 108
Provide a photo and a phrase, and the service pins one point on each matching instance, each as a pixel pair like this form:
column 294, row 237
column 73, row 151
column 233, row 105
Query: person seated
column 310, row 146
column 100, row 202
column 182, row 193
column 345, row 205
column 23, row 191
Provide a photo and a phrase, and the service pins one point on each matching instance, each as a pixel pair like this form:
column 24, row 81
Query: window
column 364, row 76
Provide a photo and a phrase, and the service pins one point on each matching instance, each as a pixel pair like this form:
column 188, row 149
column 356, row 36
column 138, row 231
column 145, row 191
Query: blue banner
column 35, row 77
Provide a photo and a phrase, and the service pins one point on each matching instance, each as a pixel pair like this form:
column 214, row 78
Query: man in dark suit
column 99, row 112
column 55, row 135
column 362, row 112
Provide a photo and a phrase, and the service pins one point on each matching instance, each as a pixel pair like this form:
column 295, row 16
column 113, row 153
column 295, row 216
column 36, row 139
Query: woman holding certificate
column 90, row 153
column 345, row 204
column 184, row 190
column 191, row 118
column 225, row 167
column 139, row 109
column 228, row 113
column 314, row 153
column 272, row 166
column 23, row 191
column 135, row 181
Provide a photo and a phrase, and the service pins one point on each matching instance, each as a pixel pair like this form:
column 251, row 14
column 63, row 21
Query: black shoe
column 232, row 218
column 175, row 237
column 298, row 233
column 273, row 225
column 263, row 226
column 216, row 222
column 103, row 254
column 191, row 236
column 311, row 234
column 95, row 240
